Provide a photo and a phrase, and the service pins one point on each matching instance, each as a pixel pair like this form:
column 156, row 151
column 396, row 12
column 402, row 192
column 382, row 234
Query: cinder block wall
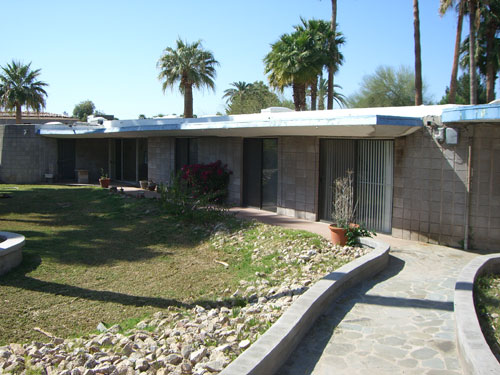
column 25, row 157
column 229, row 151
column 92, row 155
column 161, row 158
column 485, row 188
column 430, row 180
column 298, row 163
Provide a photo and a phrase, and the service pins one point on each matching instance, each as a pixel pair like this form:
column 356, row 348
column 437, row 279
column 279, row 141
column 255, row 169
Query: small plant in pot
column 144, row 184
column 345, row 231
column 104, row 180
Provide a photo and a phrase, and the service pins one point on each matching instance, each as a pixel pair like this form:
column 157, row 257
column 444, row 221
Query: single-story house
column 427, row 173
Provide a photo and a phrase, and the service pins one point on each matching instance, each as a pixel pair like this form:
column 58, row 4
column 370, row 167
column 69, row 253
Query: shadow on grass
column 91, row 226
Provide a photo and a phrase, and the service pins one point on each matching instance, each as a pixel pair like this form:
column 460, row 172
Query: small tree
column 83, row 109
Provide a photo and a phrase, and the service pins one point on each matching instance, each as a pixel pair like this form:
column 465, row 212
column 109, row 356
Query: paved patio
column 400, row 322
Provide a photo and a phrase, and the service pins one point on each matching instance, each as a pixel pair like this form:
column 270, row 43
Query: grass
column 91, row 256
column 487, row 301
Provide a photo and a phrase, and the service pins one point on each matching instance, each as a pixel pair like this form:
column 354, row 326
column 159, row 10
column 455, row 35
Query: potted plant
column 104, row 180
column 144, row 184
column 343, row 208
column 151, row 185
column 345, row 231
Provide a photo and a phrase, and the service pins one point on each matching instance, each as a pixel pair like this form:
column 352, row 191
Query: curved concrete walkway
column 399, row 322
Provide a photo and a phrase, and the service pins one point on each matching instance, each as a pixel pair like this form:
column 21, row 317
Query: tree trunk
column 299, row 96
column 19, row 114
column 188, row 100
column 296, row 96
column 314, row 93
column 454, row 70
column 491, row 75
column 418, row 59
column 472, row 51
column 331, row 72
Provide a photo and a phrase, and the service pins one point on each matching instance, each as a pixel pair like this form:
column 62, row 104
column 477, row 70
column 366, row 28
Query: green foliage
column 19, row 86
column 463, row 91
column 487, row 303
column 193, row 191
column 190, row 66
column 250, row 98
column 354, row 231
column 84, row 109
column 387, row 87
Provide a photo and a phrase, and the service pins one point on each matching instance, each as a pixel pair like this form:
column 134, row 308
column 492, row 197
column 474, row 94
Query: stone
column 141, row 364
column 214, row 366
column 197, row 355
column 244, row 344
column 174, row 359
column 101, row 327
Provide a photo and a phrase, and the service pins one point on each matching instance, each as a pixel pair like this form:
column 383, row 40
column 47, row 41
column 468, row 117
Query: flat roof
column 388, row 122
column 472, row 113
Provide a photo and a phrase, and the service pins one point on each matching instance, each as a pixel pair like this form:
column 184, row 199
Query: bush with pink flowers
column 206, row 180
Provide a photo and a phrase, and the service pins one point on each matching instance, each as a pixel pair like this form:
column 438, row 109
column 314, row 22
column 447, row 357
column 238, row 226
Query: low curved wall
column 475, row 354
column 10, row 251
column 273, row 348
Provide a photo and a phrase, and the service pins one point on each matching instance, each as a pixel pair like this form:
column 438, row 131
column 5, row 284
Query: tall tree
column 291, row 63
column 19, row 86
column 189, row 65
column 444, row 6
column 254, row 97
column 238, row 90
column 473, row 7
column 463, row 91
column 331, row 68
column 489, row 45
column 418, row 58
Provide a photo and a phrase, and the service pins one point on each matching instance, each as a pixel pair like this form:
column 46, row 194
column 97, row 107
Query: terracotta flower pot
column 104, row 182
column 338, row 235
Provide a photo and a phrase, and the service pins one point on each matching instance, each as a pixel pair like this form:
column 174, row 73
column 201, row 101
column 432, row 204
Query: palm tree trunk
column 490, row 68
column 188, row 101
column 472, row 51
column 418, row 59
column 314, row 93
column 454, row 70
column 19, row 114
column 331, row 72
column 296, row 96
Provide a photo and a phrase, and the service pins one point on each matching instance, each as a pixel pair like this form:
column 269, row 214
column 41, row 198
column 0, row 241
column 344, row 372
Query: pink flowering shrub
column 209, row 181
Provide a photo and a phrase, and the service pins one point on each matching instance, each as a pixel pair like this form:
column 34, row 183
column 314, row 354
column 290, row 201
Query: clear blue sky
column 107, row 50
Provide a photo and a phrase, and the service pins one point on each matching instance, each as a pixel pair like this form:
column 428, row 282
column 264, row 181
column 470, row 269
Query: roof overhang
column 489, row 113
column 355, row 123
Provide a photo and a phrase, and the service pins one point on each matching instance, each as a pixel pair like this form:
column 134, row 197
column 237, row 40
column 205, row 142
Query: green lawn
column 92, row 256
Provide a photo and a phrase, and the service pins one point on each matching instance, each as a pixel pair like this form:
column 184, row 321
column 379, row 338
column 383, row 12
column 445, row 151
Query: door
column 372, row 164
column 66, row 159
column 260, row 173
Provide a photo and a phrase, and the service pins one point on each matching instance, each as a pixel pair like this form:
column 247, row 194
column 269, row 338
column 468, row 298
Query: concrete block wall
column 161, row 159
column 298, row 163
column 485, row 188
column 92, row 155
column 229, row 151
column 430, row 180
column 25, row 157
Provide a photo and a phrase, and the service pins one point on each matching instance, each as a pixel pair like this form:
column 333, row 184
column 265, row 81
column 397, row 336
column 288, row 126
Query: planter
column 104, row 182
column 151, row 186
column 338, row 235
column 144, row 184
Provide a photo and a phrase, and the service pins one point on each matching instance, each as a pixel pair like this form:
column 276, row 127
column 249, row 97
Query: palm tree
column 19, row 86
column 291, row 62
column 489, row 45
column 338, row 98
column 418, row 59
column 473, row 7
column 238, row 90
column 332, row 68
column 191, row 66
column 444, row 6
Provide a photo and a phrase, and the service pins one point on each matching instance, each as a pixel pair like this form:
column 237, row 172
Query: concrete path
column 400, row 322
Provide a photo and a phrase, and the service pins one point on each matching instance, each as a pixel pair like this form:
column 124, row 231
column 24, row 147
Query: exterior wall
column 92, row 154
column 430, row 182
column 485, row 188
column 161, row 158
column 229, row 151
column 25, row 157
column 298, row 163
